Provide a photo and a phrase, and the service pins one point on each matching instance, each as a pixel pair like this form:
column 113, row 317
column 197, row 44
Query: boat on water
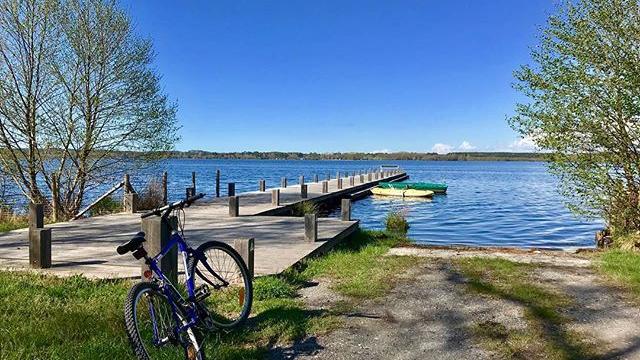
column 437, row 188
column 389, row 191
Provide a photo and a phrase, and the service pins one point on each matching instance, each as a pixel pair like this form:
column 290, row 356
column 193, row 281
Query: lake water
column 487, row 203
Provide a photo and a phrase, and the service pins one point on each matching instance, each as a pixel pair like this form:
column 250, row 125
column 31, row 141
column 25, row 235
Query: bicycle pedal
column 201, row 293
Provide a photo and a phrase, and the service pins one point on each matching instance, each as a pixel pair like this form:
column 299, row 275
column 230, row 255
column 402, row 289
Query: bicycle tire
column 133, row 329
column 246, row 280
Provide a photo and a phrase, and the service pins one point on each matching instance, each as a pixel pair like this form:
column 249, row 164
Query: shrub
column 396, row 222
column 106, row 206
column 151, row 196
column 305, row 207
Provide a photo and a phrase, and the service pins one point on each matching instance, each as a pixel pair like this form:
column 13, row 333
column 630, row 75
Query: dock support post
column 262, row 185
column 338, row 175
column 301, row 179
column 311, row 227
column 231, row 189
column 190, row 192
column 157, row 234
column 283, row 182
column 361, row 178
column 303, row 191
column 275, row 197
column 325, row 187
column 339, row 183
column 315, row 178
column 369, row 178
column 165, row 196
column 130, row 202
column 246, row 247
column 351, row 180
column 234, row 206
column 39, row 238
column 193, row 181
column 345, row 209
column 218, row 183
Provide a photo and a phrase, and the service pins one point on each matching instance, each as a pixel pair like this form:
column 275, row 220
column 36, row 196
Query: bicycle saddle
column 131, row 245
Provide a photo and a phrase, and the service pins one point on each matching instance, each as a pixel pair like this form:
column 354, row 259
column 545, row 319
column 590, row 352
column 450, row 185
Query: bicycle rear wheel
column 150, row 324
column 218, row 266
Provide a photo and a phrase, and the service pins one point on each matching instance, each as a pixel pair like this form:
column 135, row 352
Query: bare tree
column 102, row 98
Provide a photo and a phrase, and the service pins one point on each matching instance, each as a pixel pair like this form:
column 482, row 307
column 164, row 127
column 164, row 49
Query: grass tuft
column 623, row 267
column 396, row 223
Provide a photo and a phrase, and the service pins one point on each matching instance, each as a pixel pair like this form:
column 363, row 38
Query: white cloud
column 466, row 146
column 523, row 144
column 441, row 148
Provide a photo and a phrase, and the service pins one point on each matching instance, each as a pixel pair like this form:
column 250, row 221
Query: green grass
column 358, row 268
column 623, row 267
column 44, row 317
column 546, row 335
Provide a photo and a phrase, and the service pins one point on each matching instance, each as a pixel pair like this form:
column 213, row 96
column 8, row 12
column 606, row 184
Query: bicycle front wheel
column 151, row 323
column 218, row 266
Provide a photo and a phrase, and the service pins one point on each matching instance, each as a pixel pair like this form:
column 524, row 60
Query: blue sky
column 342, row 75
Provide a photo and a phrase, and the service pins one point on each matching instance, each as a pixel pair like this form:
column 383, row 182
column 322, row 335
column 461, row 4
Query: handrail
column 111, row 191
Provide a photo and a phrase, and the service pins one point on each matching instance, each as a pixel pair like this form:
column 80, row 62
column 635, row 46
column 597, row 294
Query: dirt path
column 428, row 315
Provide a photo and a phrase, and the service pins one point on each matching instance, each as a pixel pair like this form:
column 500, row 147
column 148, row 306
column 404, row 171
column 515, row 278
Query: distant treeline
column 277, row 155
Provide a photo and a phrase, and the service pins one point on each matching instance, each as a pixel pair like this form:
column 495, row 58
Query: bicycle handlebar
column 165, row 210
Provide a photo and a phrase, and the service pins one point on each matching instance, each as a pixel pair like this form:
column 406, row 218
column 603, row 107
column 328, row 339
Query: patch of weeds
column 151, row 196
column 396, row 222
column 546, row 335
column 305, row 207
column 107, row 205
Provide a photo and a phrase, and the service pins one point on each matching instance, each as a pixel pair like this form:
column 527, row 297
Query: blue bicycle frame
column 170, row 291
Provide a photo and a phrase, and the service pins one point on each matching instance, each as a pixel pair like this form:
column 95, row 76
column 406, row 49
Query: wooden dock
column 87, row 246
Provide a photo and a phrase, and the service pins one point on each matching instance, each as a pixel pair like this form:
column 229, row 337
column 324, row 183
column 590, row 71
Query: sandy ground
column 426, row 316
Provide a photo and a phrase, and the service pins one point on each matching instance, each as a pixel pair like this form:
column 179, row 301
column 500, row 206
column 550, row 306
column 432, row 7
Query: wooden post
column 130, row 202
column 339, row 183
column 351, row 180
column 39, row 238
column 189, row 192
column 55, row 196
column 311, row 227
column 165, row 197
column 234, row 206
column 218, row 183
column 283, row 182
column 338, row 175
column 127, row 183
column 193, row 181
column 301, row 179
column 262, row 185
column 36, row 216
column 369, row 177
column 345, row 209
column 325, row 187
column 361, row 178
column 157, row 234
column 246, row 247
column 231, row 189
column 315, row 178
column 303, row 191
column 275, row 197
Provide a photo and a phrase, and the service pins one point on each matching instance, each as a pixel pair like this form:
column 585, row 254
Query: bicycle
column 160, row 321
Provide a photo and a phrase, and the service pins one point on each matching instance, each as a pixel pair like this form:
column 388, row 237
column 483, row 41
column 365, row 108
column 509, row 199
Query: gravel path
column 428, row 313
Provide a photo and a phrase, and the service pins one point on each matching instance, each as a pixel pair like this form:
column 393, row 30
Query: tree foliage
column 77, row 88
column 584, row 106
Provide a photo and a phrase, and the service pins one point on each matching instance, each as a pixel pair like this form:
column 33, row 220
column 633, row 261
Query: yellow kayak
column 401, row 192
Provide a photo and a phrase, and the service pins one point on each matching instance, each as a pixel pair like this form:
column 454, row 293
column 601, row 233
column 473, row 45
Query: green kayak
column 435, row 187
